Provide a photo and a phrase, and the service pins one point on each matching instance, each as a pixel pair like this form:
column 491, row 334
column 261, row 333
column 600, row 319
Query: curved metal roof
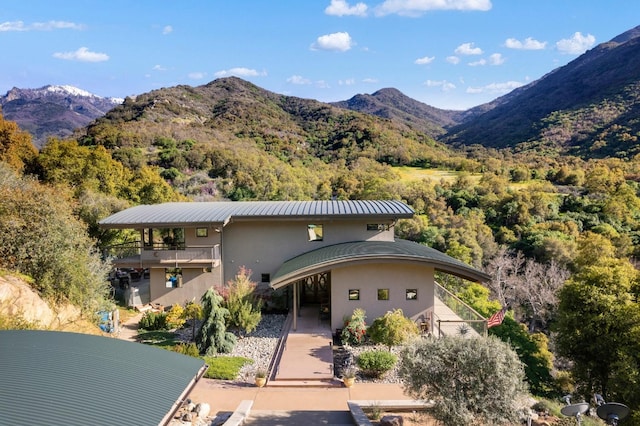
column 58, row 378
column 221, row 212
column 325, row 258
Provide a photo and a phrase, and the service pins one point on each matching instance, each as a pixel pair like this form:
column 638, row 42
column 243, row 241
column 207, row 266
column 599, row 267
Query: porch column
column 295, row 306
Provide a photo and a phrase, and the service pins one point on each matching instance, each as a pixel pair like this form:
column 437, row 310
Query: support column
column 295, row 306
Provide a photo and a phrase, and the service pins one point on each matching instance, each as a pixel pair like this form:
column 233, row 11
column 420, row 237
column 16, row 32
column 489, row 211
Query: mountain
column 589, row 107
column 53, row 110
column 394, row 105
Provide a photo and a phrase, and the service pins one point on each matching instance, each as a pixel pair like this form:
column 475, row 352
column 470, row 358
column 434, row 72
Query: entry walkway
column 308, row 352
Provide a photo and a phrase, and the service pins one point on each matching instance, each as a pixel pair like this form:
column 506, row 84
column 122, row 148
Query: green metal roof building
column 58, row 378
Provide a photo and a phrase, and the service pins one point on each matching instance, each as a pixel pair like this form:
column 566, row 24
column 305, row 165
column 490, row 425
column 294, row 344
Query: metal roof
column 328, row 257
column 58, row 378
column 221, row 212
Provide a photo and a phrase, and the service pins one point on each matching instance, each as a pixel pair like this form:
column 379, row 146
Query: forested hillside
column 589, row 107
column 559, row 234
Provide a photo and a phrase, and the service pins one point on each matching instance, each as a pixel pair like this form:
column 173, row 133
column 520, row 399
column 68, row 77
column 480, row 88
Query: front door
column 316, row 289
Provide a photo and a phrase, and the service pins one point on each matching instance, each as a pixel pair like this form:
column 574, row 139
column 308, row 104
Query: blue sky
column 451, row 54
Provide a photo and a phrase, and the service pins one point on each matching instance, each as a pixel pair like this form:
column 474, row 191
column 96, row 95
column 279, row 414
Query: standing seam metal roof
column 58, row 378
column 220, row 212
column 330, row 256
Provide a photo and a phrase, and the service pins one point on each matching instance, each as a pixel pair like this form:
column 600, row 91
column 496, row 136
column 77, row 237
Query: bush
column 355, row 328
column 176, row 316
column 392, row 329
column 242, row 303
column 376, row 363
column 152, row 321
column 189, row 349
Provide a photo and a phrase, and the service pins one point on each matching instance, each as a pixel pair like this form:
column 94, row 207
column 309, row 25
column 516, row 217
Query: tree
column 392, row 329
column 16, row 148
column 243, row 304
column 213, row 337
column 472, row 380
column 598, row 329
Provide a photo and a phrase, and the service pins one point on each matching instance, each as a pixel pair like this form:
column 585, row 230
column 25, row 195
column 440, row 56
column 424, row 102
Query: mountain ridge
column 53, row 110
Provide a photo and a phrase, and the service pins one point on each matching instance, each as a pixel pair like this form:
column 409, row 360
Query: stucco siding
column 195, row 282
column 263, row 246
column 371, row 277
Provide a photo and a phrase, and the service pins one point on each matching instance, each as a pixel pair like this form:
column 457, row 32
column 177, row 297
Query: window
column 266, row 278
column 202, row 232
column 383, row 294
column 377, row 227
column 173, row 277
column 315, row 232
column 412, row 294
column 354, row 294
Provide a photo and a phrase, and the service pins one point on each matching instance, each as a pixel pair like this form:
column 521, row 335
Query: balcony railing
column 466, row 313
column 178, row 255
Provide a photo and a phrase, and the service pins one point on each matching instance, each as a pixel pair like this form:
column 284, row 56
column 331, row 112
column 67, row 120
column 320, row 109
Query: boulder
column 391, row 421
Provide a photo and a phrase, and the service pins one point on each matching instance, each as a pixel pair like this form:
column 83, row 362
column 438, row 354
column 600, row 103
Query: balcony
column 453, row 316
column 133, row 254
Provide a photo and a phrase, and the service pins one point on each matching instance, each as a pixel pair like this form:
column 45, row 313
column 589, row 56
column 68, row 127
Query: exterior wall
column 370, row 277
column 263, row 246
column 195, row 282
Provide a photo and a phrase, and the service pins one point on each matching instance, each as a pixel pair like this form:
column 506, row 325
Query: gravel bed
column 259, row 345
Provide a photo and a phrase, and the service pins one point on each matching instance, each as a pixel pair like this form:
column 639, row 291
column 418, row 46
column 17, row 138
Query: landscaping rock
column 391, row 421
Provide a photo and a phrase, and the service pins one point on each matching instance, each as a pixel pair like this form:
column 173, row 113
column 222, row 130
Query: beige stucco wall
column 373, row 276
column 195, row 283
column 263, row 246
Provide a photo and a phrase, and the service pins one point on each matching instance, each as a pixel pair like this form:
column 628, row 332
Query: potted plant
column 261, row 377
column 349, row 376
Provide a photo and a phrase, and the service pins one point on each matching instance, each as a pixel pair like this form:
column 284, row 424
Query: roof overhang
column 399, row 251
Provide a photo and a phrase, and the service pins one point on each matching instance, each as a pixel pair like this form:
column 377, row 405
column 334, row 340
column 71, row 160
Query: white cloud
column 529, row 43
column 453, row 60
column 82, row 55
column 468, row 49
column 370, row 80
column 39, row 26
column 159, row 68
column 240, row 72
column 418, row 7
column 444, row 85
column 424, row 61
column 478, row 63
column 495, row 88
column 347, row 82
column 337, row 41
column 342, row 8
column 197, row 75
column 576, row 45
column 321, row 84
column 168, row 29
column 298, row 80
column 496, row 59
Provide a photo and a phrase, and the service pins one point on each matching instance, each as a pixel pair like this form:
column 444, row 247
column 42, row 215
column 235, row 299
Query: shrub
column 392, row 329
column 153, row 321
column 213, row 336
column 189, row 349
column 355, row 328
column 471, row 380
column 242, row 303
column 176, row 316
column 376, row 363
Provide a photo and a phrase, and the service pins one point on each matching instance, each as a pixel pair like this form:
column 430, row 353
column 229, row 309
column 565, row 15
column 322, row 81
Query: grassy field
column 417, row 173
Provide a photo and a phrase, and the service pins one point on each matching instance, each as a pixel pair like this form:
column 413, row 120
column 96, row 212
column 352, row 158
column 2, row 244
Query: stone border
column 240, row 414
column 361, row 419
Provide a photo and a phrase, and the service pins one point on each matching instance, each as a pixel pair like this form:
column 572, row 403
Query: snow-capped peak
column 70, row 90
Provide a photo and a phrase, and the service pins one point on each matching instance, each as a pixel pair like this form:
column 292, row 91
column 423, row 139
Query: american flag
column 496, row 319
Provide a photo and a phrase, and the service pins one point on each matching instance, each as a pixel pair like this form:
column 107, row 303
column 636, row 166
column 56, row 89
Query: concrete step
column 305, row 383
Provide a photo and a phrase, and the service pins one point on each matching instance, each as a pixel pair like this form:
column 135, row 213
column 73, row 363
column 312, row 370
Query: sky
column 450, row 54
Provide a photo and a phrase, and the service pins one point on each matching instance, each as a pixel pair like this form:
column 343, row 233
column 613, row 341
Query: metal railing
column 467, row 314
column 162, row 253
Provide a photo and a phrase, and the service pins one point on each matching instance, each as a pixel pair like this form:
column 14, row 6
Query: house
column 339, row 255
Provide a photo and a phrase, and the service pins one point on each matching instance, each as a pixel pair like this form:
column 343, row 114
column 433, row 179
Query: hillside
column 53, row 111
column 589, row 107
column 232, row 111
column 394, row 105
